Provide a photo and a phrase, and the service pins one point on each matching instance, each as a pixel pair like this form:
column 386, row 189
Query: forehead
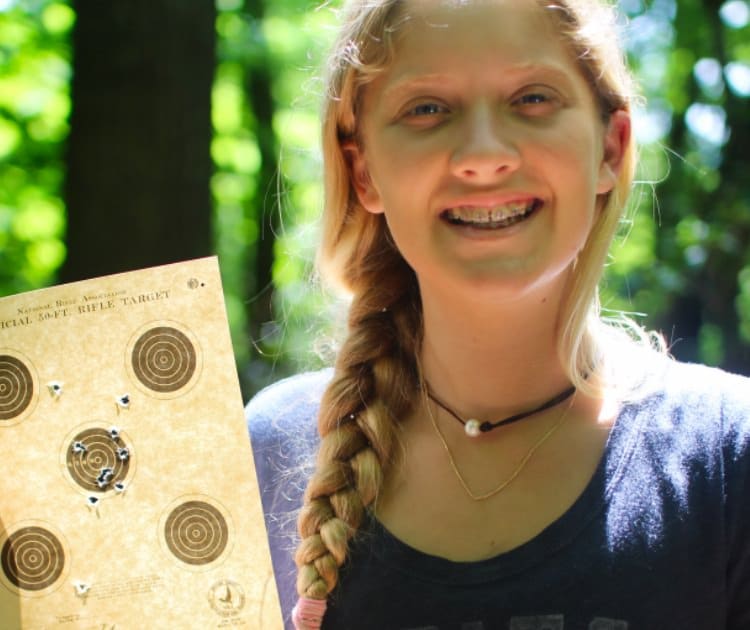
column 494, row 33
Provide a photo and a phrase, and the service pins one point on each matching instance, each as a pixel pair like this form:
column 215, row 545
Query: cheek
column 574, row 169
column 399, row 176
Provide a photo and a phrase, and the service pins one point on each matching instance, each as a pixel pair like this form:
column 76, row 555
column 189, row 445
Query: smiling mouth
column 491, row 218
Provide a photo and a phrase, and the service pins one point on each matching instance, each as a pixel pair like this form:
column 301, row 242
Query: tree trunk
column 263, row 207
column 139, row 164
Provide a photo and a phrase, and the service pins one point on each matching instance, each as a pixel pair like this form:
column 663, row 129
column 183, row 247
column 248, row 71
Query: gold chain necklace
column 504, row 484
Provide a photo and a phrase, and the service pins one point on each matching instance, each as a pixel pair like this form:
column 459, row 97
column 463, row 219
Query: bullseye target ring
column 90, row 452
column 32, row 559
column 164, row 359
column 17, row 388
column 196, row 532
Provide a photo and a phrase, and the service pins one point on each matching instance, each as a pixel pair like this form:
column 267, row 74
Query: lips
column 491, row 217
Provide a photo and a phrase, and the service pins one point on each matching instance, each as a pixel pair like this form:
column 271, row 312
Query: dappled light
column 682, row 257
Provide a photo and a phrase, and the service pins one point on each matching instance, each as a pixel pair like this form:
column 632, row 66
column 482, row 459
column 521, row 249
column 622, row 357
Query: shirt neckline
column 618, row 450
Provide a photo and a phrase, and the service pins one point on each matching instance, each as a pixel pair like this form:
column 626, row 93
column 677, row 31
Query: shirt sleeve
column 282, row 422
column 737, row 507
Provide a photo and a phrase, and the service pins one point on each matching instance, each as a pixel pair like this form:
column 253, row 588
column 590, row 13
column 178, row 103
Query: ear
column 616, row 140
column 359, row 174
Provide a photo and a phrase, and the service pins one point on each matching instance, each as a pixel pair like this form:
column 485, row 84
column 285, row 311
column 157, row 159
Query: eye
column 537, row 101
column 424, row 113
column 533, row 99
column 427, row 109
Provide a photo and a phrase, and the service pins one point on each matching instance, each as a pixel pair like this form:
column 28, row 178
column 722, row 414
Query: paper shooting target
column 32, row 559
column 96, row 460
column 17, row 388
column 164, row 359
column 196, row 532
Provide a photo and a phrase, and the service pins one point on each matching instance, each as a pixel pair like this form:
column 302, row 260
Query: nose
column 485, row 148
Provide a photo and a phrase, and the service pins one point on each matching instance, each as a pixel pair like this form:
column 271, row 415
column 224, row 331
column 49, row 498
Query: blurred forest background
column 140, row 132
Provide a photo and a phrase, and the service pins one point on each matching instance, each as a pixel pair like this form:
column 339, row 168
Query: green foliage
column 235, row 154
column 34, row 105
column 683, row 257
column 291, row 37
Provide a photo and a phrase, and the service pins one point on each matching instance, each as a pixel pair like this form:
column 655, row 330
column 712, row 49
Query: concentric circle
column 196, row 532
column 96, row 460
column 32, row 558
column 16, row 387
column 164, row 359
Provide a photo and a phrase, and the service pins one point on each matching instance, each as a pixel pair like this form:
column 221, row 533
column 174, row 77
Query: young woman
column 490, row 453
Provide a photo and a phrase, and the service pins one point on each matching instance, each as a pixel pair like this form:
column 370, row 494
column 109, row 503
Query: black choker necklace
column 474, row 427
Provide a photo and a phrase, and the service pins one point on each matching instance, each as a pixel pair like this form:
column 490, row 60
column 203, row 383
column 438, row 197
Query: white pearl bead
column 472, row 428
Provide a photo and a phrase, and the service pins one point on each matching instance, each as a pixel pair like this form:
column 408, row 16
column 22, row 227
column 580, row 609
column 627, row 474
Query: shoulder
column 287, row 405
column 696, row 380
column 717, row 407
column 681, row 445
column 692, row 391
column 709, row 397
column 282, row 423
column 693, row 412
column 290, row 392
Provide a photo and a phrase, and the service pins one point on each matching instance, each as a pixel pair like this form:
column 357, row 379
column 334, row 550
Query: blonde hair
column 376, row 378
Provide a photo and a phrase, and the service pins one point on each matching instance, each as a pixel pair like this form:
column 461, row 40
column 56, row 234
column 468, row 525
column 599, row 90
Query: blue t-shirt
column 658, row 540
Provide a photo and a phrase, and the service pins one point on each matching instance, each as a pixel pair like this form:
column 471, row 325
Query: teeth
column 474, row 214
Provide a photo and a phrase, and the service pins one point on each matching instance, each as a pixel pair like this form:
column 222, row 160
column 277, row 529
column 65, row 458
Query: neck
column 490, row 360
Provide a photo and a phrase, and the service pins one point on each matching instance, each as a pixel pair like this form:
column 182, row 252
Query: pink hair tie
column 308, row 613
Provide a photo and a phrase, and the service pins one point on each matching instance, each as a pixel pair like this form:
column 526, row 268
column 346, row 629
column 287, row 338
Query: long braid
column 375, row 374
column 372, row 387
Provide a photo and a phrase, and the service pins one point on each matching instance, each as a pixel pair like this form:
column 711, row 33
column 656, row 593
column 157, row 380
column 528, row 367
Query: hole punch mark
column 105, row 477
column 55, row 389
column 123, row 402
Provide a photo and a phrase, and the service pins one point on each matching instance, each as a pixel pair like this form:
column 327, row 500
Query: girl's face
column 482, row 145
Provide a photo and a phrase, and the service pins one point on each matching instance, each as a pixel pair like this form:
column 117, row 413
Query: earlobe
column 616, row 141
column 363, row 185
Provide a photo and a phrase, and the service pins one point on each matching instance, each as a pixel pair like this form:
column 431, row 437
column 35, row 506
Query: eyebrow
column 411, row 82
column 414, row 81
